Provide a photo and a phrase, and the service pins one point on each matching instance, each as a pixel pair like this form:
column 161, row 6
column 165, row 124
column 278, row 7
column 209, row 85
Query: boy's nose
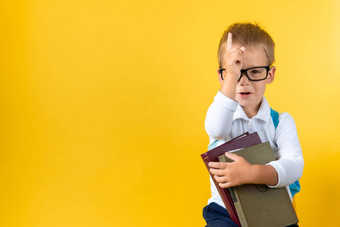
column 243, row 80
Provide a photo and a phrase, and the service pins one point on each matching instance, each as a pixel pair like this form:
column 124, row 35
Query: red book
column 243, row 141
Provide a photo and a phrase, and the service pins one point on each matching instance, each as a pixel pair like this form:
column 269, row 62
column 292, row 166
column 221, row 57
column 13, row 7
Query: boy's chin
column 245, row 102
column 249, row 101
column 250, row 104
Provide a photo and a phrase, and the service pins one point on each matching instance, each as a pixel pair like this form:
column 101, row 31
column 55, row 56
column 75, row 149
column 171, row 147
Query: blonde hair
column 248, row 34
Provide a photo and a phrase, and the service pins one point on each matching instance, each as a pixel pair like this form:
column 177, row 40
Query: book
column 242, row 141
column 259, row 205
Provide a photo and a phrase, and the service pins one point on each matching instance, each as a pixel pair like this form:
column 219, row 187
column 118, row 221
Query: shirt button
column 250, row 124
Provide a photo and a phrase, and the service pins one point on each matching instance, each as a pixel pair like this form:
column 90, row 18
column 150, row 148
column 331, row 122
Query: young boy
column 246, row 55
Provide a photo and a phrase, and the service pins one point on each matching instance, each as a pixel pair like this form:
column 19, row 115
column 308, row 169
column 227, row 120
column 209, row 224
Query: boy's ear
column 271, row 75
column 219, row 77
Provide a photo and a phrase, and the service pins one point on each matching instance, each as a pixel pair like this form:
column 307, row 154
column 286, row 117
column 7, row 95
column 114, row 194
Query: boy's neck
column 251, row 111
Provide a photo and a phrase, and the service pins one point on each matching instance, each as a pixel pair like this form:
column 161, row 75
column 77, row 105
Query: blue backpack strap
column 295, row 187
column 212, row 145
column 275, row 117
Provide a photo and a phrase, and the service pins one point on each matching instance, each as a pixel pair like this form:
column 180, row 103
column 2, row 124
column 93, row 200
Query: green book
column 259, row 205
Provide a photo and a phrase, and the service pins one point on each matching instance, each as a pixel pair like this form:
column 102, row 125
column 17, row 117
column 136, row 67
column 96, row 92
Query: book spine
column 238, row 205
column 235, row 197
column 225, row 195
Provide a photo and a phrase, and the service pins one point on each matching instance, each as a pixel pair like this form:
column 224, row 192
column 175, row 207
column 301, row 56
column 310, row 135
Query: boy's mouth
column 244, row 95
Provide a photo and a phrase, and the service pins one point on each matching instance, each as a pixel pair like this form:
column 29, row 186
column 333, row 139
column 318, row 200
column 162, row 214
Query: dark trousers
column 217, row 216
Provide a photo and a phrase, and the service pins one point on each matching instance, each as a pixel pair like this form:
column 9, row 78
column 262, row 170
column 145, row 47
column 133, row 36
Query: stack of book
column 252, row 205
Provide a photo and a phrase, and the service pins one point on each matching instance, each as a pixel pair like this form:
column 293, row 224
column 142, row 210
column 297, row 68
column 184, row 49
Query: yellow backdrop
column 103, row 106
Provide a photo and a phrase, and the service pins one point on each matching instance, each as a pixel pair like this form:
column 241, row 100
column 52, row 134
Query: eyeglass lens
column 257, row 73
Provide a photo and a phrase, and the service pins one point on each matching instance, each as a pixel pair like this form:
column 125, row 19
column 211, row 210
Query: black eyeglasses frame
column 244, row 71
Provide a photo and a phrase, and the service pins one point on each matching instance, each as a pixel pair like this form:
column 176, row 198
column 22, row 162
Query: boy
column 246, row 55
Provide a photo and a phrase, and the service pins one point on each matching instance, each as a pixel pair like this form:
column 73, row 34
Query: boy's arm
column 220, row 113
column 289, row 165
column 219, row 116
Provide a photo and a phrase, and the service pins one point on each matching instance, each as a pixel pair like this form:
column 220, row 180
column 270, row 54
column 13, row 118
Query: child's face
column 249, row 93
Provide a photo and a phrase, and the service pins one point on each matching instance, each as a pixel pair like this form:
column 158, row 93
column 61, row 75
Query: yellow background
column 102, row 106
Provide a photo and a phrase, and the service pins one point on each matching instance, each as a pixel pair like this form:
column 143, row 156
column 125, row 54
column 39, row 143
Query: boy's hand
column 233, row 60
column 230, row 174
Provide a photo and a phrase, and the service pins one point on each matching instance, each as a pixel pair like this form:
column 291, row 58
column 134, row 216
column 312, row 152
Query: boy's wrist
column 263, row 174
column 228, row 86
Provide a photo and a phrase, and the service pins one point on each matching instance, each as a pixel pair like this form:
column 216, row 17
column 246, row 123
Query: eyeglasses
column 253, row 74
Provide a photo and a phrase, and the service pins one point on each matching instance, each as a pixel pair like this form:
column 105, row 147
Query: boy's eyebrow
column 252, row 66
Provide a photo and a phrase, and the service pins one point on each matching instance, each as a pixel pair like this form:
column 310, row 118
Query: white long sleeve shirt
column 226, row 120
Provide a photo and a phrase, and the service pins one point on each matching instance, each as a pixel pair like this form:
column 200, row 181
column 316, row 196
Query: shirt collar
column 263, row 114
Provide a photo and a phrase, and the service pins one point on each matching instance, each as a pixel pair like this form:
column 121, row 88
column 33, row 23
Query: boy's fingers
column 235, row 55
column 243, row 49
column 231, row 156
column 216, row 165
column 220, row 179
column 229, row 41
column 225, row 185
column 216, row 172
